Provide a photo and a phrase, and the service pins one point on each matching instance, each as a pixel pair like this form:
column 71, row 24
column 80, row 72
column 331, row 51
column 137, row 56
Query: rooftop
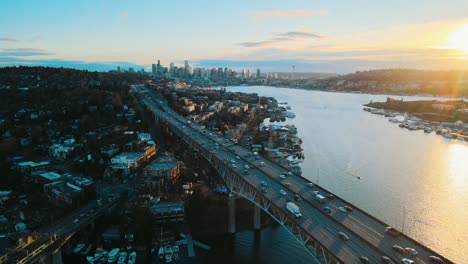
column 50, row 175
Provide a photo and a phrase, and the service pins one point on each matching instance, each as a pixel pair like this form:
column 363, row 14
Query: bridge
column 44, row 245
column 258, row 180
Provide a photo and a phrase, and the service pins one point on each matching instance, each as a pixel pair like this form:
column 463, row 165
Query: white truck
column 320, row 198
column 293, row 208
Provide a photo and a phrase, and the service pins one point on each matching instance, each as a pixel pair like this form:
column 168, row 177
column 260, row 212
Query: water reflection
column 406, row 176
column 457, row 159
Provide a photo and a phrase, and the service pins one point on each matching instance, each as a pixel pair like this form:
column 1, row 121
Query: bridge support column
column 57, row 257
column 257, row 218
column 232, row 213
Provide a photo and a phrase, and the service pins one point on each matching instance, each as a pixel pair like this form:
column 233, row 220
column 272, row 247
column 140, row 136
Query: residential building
column 167, row 212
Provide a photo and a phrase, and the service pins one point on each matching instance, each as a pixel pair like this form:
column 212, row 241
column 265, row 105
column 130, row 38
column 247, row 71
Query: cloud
column 299, row 34
column 290, row 37
column 288, row 13
column 260, row 43
column 22, row 52
column 123, row 15
column 8, row 39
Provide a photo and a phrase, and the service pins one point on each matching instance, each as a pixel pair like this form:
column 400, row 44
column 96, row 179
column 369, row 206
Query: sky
column 333, row 36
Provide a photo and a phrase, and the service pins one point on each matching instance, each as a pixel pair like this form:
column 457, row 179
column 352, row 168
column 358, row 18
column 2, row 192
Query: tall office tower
column 153, row 69
column 186, row 67
column 118, row 68
column 243, row 74
column 259, row 74
column 171, row 69
column 190, row 70
column 220, row 72
column 249, row 73
column 158, row 68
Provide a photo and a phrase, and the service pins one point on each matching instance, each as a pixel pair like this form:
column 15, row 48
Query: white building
column 129, row 159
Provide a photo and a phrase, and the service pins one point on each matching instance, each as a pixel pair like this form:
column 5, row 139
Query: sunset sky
column 316, row 36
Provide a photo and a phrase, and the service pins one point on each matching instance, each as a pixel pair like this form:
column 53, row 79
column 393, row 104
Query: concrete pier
column 257, row 218
column 232, row 213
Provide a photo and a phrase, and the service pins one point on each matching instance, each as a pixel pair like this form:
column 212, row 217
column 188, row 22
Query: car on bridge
column 264, row 183
column 327, row 209
column 436, row 259
column 282, row 176
column 282, row 192
column 399, row 249
column 392, row 231
column 387, row 260
column 412, row 251
column 310, row 184
column 364, row 259
column 342, row 209
column 343, row 236
column 407, row 261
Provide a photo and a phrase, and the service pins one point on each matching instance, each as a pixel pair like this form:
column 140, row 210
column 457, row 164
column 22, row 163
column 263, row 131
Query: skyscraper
column 186, row 68
column 171, row 69
column 153, row 69
column 259, row 74
column 249, row 73
column 159, row 68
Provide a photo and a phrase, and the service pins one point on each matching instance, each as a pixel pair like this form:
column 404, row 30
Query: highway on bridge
column 367, row 236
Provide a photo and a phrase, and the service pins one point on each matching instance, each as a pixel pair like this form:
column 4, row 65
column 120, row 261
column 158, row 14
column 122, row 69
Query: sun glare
column 458, row 39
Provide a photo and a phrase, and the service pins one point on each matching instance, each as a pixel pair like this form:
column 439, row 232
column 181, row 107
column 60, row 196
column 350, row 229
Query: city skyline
column 315, row 37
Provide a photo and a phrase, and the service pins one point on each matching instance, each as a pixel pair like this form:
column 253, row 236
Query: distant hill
column 401, row 81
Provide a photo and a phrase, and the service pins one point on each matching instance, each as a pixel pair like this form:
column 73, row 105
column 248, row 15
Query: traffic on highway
column 351, row 234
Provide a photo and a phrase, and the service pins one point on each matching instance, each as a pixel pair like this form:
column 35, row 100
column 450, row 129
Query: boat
column 112, row 257
column 122, row 257
column 427, row 130
column 378, row 111
column 86, row 251
column 90, row 259
column 132, row 258
column 78, row 248
column 283, row 119
column 289, row 114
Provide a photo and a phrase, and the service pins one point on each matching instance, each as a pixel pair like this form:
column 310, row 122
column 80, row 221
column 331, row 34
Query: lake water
column 411, row 180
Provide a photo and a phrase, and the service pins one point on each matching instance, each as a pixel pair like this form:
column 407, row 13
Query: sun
column 458, row 39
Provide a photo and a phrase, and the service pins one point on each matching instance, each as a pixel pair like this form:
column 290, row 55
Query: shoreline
column 347, row 92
